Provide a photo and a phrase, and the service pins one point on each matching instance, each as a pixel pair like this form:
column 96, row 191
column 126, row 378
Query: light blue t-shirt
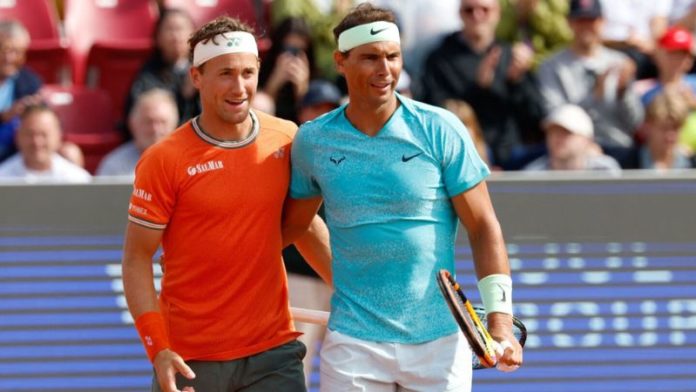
column 647, row 98
column 7, row 89
column 388, row 209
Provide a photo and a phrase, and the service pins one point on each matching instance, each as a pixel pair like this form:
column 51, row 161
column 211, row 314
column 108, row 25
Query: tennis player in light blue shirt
column 388, row 209
column 396, row 177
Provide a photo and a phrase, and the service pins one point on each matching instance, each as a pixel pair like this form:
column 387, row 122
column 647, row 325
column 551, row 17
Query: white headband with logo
column 368, row 33
column 231, row 42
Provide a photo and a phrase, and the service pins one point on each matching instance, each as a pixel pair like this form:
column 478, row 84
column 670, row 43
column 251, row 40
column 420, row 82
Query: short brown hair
column 219, row 25
column 40, row 107
column 363, row 13
column 669, row 106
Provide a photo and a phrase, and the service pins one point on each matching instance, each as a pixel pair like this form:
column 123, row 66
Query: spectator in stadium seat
column 212, row 194
column 596, row 78
column 570, row 145
column 18, row 84
column 664, row 118
column 493, row 77
column 153, row 117
column 288, row 67
column 168, row 68
column 674, row 57
column 38, row 140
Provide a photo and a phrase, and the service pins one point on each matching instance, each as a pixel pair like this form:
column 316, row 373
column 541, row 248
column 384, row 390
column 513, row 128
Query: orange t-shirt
column 224, row 290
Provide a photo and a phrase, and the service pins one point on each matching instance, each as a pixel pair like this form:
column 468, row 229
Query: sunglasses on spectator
column 469, row 10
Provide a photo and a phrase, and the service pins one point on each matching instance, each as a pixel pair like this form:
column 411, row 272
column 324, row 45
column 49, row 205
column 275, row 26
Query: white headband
column 231, row 42
column 368, row 33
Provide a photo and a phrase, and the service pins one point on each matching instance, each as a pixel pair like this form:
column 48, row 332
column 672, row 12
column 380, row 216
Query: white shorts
column 349, row 364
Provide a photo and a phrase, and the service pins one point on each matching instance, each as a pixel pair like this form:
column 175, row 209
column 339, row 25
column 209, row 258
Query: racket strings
column 473, row 322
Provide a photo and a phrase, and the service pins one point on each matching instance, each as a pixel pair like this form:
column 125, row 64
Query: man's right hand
column 167, row 364
column 19, row 105
column 486, row 70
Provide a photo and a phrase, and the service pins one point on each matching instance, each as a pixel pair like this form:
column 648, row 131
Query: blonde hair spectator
column 668, row 107
column 467, row 115
column 665, row 118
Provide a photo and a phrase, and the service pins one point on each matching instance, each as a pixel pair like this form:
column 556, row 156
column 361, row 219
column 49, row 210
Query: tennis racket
column 469, row 319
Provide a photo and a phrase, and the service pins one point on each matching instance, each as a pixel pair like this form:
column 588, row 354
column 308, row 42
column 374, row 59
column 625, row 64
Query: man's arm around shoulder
column 308, row 232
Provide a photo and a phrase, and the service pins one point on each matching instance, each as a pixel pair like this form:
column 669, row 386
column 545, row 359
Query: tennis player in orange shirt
column 212, row 195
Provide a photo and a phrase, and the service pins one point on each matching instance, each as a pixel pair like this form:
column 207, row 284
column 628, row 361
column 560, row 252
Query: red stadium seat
column 86, row 119
column 203, row 11
column 113, row 66
column 47, row 54
column 40, row 17
column 106, row 22
column 252, row 12
column 50, row 60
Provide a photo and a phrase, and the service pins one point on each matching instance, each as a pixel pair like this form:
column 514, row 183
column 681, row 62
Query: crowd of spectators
column 541, row 84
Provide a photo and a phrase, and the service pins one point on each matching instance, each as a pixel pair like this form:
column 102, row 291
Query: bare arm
column 138, row 281
column 309, row 233
column 138, row 285
column 314, row 247
column 475, row 211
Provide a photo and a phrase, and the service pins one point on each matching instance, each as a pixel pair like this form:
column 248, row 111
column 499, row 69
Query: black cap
column 321, row 91
column 585, row 9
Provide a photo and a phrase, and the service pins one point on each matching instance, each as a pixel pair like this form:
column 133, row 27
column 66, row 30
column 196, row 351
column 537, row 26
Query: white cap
column 573, row 118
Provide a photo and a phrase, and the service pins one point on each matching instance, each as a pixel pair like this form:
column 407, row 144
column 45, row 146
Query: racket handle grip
column 310, row 316
column 500, row 348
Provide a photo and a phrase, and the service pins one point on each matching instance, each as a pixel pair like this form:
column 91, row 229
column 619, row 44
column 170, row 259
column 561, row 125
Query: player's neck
column 368, row 118
column 225, row 130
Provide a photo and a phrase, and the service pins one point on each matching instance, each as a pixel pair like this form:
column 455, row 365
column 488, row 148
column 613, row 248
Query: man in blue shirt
column 18, row 85
column 396, row 176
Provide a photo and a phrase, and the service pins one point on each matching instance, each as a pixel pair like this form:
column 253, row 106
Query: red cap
column 677, row 38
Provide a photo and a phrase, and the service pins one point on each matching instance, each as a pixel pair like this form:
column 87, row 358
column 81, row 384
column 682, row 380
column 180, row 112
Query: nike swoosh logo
column 504, row 296
column 337, row 161
column 375, row 32
column 404, row 158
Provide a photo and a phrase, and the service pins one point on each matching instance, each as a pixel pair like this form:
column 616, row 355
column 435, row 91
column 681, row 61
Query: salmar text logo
column 204, row 167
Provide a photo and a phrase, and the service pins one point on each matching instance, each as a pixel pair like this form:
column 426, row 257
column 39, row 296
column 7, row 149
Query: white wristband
column 496, row 293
